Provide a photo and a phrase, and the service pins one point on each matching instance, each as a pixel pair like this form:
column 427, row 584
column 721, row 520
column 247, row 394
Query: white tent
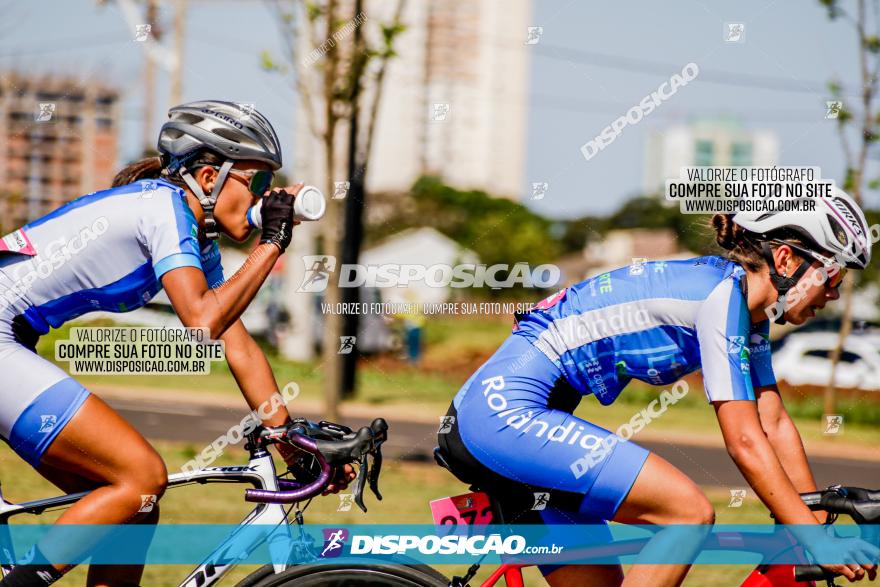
column 417, row 246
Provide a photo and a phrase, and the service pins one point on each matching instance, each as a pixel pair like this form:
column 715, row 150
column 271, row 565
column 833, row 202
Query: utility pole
column 150, row 78
column 179, row 36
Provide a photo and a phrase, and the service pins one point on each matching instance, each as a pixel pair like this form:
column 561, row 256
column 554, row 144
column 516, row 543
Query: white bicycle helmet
column 835, row 232
column 232, row 131
column 836, row 229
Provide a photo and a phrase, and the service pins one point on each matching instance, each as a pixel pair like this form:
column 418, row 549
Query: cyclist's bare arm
column 252, row 373
column 199, row 306
column 254, row 376
column 785, row 439
column 753, row 454
column 750, row 449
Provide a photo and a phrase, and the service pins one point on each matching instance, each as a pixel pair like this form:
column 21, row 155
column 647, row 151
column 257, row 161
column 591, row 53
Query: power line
column 64, row 45
column 596, row 107
column 729, row 78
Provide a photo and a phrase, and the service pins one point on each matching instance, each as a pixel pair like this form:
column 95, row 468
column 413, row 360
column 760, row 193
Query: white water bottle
column 308, row 204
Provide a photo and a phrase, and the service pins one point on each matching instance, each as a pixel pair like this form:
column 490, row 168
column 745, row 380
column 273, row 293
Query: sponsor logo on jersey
column 735, row 344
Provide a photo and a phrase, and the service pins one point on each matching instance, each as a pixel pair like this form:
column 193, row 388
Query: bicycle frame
column 259, row 472
column 763, row 576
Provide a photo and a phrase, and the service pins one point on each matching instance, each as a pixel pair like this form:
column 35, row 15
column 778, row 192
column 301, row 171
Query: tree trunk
column 353, row 229
column 829, row 398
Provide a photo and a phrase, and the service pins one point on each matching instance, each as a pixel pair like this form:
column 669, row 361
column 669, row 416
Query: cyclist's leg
column 514, row 478
column 661, row 494
column 50, row 419
column 99, row 575
column 99, row 445
column 502, row 432
column 664, row 495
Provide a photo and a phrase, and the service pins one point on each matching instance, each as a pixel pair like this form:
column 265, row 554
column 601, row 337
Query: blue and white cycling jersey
column 512, row 425
column 655, row 322
column 104, row 251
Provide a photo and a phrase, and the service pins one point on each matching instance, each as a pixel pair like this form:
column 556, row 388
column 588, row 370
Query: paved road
column 202, row 424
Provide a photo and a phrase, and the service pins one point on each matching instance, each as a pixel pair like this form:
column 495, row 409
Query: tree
column 341, row 63
column 857, row 128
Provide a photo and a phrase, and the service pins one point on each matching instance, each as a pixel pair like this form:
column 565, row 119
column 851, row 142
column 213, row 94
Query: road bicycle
column 862, row 505
column 331, row 445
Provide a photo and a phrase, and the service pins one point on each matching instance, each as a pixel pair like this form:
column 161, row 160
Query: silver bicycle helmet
column 234, row 131
column 835, row 232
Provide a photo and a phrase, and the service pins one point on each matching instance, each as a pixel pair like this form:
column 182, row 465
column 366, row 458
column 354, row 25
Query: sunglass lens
column 260, row 182
column 836, row 279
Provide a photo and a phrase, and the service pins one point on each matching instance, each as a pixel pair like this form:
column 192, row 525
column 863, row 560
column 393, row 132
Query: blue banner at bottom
column 433, row 545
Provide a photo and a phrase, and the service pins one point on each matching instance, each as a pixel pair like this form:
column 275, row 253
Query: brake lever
column 374, row 474
column 363, row 470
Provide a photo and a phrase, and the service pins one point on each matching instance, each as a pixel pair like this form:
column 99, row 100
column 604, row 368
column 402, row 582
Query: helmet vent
column 228, row 134
column 837, row 229
column 187, row 118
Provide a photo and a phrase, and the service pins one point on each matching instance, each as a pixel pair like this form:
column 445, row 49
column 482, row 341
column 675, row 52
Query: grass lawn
column 407, row 488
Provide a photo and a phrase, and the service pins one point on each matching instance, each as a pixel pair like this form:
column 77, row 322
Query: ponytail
column 733, row 238
column 149, row 168
column 154, row 168
column 741, row 247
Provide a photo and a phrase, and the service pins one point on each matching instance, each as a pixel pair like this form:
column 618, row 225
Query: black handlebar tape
column 812, row 573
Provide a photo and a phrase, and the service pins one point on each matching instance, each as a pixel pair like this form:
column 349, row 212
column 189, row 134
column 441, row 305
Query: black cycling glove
column 277, row 213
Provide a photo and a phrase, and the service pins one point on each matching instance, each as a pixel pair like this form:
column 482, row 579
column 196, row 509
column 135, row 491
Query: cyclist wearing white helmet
column 513, row 432
column 835, row 236
column 155, row 228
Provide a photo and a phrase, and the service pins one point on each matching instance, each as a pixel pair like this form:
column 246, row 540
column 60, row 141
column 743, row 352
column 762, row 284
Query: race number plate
column 468, row 509
column 17, row 242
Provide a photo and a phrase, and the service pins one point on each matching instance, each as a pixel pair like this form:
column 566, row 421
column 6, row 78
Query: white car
column 804, row 359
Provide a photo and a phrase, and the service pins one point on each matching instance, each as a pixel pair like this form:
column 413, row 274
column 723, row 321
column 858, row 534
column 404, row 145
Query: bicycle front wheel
column 354, row 575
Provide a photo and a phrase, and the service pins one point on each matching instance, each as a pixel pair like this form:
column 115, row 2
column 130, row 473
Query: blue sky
column 622, row 52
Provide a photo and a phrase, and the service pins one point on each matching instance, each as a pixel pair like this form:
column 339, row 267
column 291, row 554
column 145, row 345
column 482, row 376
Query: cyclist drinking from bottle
column 513, row 431
column 156, row 228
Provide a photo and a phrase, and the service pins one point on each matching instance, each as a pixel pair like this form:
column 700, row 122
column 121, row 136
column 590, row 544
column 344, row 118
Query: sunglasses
column 257, row 180
column 834, row 272
column 834, row 275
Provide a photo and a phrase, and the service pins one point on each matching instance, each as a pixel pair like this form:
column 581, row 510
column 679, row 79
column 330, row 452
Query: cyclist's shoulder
column 155, row 191
column 692, row 278
column 159, row 202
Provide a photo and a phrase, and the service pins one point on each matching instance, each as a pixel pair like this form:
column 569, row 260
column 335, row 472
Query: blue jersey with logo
column 103, row 251
column 512, row 423
column 655, row 322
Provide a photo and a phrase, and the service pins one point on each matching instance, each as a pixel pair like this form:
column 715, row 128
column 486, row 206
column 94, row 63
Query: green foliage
column 497, row 229
column 872, row 273
column 693, row 230
column 575, row 234
column 832, row 8
column 314, row 11
column 389, row 33
column 855, row 411
column 268, row 63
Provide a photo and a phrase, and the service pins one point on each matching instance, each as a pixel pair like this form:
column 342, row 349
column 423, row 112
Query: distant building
column 719, row 142
column 625, row 247
column 454, row 100
column 418, row 246
column 58, row 140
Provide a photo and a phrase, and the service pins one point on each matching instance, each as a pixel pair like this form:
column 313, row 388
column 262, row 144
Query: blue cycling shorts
column 513, row 426
column 37, row 399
